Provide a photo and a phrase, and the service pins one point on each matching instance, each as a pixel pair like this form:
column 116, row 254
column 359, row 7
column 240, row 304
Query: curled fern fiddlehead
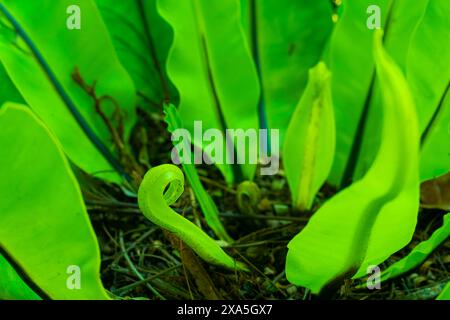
column 160, row 188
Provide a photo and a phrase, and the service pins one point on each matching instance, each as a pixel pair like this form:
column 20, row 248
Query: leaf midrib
column 436, row 115
column 230, row 147
column 151, row 47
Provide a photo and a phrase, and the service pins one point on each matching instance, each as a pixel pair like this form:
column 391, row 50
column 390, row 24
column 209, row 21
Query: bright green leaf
column 287, row 38
column 373, row 218
column 399, row 32
column 45, row 227
column 62, row 51
column 435, row 153
column 142, row 40
column 428, row 64
column 12, row 285
column 352, row 72
column 7, row 90
column 212, row 68
column 419, row 253
column 420, row 43
column 309, row 147
column 445, row 293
